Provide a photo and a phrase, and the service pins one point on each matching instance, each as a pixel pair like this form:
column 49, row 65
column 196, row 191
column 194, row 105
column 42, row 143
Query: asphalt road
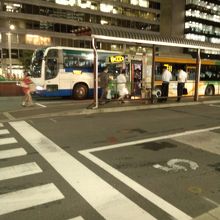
column 147, row 164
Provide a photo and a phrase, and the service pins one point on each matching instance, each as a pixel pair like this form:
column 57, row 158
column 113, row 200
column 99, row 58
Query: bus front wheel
column 80, row 91
column 209, row 91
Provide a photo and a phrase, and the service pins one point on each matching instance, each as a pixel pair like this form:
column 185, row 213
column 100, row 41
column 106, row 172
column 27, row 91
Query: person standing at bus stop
column 182, row 78
column 166, row 77
column 103, row 83
column 121, row 86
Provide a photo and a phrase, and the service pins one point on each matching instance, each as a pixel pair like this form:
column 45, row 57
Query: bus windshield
column 36, row 62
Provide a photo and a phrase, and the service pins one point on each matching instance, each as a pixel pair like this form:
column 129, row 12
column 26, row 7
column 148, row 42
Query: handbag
column 24, row 85
column 185, row 92
column 32, row 87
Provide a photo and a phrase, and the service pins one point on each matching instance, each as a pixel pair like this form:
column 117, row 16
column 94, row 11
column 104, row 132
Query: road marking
column 172, row 165
column 218, row 106
column 164, row 205
column 4, row 131
column 77, row 218
column 44, row 106
column 211, row 201
column 12, row 153
column 202, row 141
column 1, row 125
column 147, row 194
column 7, row 141
column 8, row 115
column 30, row 197
column 147, row 140
column 19, row 170
column 108, row 201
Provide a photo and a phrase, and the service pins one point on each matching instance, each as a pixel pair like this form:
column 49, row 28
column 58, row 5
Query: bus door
column 51, row 71
column 136, row 77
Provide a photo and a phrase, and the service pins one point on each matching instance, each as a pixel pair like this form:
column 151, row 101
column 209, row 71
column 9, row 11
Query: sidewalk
column 11, row 109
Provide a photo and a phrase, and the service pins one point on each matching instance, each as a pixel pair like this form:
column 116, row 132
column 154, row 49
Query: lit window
column 134, row 2
column 66, row 2
column 144, row 3
column 215, row 40
column 106, row 8
column 195, row 37
column 85, row 4
column 103, row 22
column 37, row 40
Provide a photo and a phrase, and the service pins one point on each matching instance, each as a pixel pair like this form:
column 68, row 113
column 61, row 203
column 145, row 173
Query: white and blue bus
column 65, row 71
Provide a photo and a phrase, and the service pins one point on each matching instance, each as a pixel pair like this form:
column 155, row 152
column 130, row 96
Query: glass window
column 51, row 64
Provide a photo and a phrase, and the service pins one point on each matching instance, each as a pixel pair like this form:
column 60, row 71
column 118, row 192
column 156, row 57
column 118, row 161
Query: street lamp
column 11, row 28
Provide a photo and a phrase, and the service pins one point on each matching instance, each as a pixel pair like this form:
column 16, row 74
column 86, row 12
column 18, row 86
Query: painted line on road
column 19, row 170
column 4, row 131
column 203, row 141
column 212, row 105
column 28, row 198
column 8, row 115
column 44, row 106
column 77, row 218
column 147, row 194
column 147, row 140
column 7, row 141
column 156, row 200
column 12, row 153
column 105, row 199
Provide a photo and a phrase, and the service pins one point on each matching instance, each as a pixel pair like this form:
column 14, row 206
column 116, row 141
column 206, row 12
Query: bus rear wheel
column 209, row 91
column 80, row 91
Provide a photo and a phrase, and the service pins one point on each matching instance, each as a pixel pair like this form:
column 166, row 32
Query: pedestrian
column 182, row 78
column 103, row 83
column 166, row 77
column 26, row 82
column 121, row 86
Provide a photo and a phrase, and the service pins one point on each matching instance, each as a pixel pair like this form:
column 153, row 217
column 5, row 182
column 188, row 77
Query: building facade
column 202, row 23
column 39, row 23
column 26, row 25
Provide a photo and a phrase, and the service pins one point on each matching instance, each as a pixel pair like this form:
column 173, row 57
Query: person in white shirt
column 182, row 78
column 166, row 77
column 121, row 86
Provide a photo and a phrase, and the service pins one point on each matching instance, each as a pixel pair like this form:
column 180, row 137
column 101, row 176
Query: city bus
column 65, row 71
column 209, row 82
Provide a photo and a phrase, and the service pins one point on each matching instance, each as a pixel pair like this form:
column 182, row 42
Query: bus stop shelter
column 122, row 35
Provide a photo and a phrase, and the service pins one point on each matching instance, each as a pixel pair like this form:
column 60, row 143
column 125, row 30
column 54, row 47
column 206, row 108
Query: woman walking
column 27, row 100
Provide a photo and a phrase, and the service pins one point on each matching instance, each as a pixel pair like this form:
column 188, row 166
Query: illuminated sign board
column 116, row 59
column 169, row 67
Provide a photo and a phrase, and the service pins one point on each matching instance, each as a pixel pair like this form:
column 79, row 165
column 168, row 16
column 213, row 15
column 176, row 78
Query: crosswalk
column 27, row 197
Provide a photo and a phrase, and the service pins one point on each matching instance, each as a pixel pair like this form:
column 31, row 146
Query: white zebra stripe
column 30, row 197
column 12, row 153
column 10, row 140
column 4, row 131
column 19, row 170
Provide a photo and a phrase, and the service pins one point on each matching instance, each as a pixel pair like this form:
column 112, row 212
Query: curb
column 84, row 111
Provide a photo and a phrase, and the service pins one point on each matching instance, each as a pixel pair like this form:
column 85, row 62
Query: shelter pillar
column 197, row 76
